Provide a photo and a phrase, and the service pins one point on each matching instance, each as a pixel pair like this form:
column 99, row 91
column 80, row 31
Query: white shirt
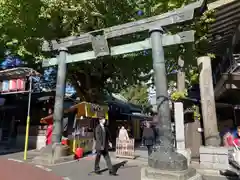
column 102, row 126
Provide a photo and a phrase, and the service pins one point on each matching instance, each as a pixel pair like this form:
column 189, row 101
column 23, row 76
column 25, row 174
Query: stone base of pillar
column 187, row 153
column 52, row 154
column 167, row 160
column 214, row 157
column 148, row 173
column 214, row 140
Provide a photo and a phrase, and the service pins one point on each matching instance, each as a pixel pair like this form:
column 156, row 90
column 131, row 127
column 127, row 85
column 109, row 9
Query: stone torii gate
column 165, row 157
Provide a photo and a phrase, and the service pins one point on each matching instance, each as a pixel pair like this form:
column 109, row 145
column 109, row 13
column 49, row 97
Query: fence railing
column 227, row 65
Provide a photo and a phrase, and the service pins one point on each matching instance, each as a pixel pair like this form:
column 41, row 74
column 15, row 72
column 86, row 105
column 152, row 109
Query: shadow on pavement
column 131, row 166
column 231, row 175
column 5, row 150
column 115, row 166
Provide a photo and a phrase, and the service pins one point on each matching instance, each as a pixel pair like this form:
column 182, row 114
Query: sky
column 47, row 76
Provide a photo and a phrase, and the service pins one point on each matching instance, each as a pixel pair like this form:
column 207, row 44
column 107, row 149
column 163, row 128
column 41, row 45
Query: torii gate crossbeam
column 173, row 17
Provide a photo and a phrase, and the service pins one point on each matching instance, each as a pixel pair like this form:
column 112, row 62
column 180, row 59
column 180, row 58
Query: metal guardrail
column 227, row 65
column 235, row 64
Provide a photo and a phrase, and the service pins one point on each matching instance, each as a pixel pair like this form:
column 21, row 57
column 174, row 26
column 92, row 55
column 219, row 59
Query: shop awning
column 85, row 109
column 8, row 107
column 139, row 116
column 67, row 108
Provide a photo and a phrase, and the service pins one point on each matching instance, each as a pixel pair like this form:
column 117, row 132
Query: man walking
column 148, row 138
column 103, row 138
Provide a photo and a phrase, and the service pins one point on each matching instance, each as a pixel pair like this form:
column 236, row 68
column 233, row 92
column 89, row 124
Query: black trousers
column 106, row 156
column 150, row 149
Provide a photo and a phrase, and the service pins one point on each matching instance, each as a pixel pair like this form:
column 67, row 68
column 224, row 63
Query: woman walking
column 123, row 134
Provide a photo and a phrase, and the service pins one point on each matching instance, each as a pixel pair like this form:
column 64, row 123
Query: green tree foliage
column 25, row 24
column 137, row 94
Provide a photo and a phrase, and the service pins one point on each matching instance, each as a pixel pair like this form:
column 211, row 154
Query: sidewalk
column 81, row 170
column 141, row 155
column 12, row 170
column 74, row 170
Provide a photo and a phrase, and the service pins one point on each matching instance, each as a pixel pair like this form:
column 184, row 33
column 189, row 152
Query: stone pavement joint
column 16, row 160
column 66, row 178
column 43, row 168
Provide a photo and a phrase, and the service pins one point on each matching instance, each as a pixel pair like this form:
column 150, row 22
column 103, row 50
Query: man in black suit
column 103, row 138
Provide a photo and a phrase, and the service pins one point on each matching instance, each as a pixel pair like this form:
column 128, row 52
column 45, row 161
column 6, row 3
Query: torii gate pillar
column 164, row 157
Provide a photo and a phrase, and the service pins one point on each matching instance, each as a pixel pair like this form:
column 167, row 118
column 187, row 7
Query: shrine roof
column 227, row 19
column 19, row 72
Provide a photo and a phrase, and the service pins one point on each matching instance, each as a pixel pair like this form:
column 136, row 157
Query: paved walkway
column 76, row 170
column 81, row 170
column 12, row 170
column 12, row 167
